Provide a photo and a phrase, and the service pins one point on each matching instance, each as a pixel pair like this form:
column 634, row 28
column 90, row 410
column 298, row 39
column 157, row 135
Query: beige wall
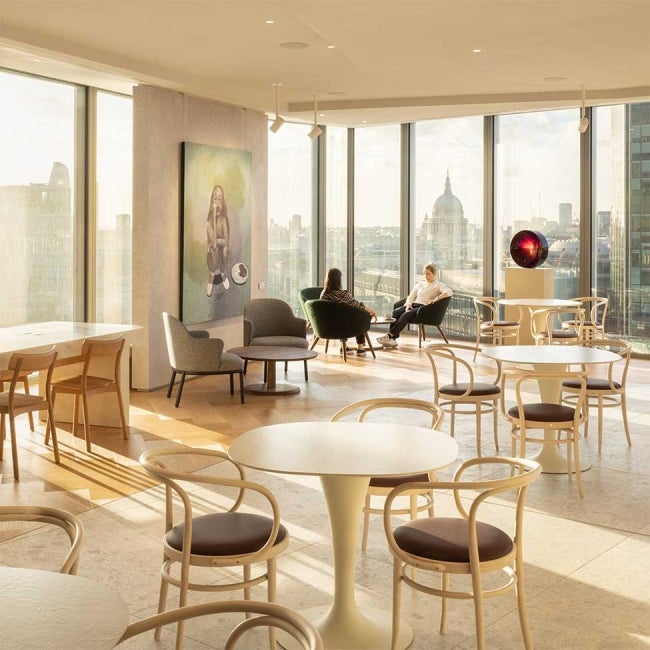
column 162, row 120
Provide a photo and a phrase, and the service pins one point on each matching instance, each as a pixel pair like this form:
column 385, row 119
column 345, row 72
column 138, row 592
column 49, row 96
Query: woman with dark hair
column 425, row 292
column 334, row 292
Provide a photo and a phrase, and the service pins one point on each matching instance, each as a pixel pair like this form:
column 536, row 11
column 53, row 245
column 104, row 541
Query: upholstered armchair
column 309, row 293
column 269, row 321
column 195, row 353
column 429, row 315
column 335, row 320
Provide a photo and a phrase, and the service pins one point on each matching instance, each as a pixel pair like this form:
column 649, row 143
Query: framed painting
column 215, row 232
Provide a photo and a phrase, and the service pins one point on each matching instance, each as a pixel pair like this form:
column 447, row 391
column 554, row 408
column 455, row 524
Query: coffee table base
column 370, row 631
column 278, row 389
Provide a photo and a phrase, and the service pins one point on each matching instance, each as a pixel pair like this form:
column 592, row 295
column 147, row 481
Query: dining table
column 44, row 609
column 551, row 358
column 530, row 305
column 345, row 455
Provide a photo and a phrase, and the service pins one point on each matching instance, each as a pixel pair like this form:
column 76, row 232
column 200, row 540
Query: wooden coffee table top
column 273, row 353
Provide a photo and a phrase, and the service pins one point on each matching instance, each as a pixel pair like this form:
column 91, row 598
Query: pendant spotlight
column 278, row 121
column 584, row 120
column 316, row 130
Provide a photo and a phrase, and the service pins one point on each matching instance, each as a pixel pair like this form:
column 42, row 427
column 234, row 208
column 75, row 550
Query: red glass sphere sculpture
column 529, row 249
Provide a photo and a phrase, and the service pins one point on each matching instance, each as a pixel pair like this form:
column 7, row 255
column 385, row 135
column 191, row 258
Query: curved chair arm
column 434, row 313
column 366, row 406
column 270, row 614
column 200, row 355
column 153, row 464
column 199, row 334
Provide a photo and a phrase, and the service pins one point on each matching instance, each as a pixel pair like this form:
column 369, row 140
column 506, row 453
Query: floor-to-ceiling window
column 447, row 210
column 621, row 218
column 336, row 199
column 37, row 199
column 537, row 187
column 291, row 213
column 377, row 233
column 114, row 205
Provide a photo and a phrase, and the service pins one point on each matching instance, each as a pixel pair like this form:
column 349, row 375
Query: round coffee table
column 270, row 354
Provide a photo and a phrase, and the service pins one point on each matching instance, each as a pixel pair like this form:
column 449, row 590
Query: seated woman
column 333, row 291
column 425, row 292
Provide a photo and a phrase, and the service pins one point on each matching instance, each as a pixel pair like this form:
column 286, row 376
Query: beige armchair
column 195, row 353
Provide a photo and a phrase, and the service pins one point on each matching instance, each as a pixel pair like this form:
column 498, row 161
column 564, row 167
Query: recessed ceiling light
column 269, row 22
column 294, row 45
column 554, row 79
column 321, row 115
column 364, row 121
column 331, row 47
column 476, row 50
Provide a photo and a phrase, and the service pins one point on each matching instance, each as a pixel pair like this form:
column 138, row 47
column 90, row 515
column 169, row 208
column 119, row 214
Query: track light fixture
column 278, row 121
column 316, row 130
column 584, row 120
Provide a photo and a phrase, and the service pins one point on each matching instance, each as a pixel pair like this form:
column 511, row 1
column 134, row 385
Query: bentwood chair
column 464, row 395
column 70, row 524
column 90, row 383
column 528, row 415
column 13, row 403
column 381, row 486
column 490, row 325
column 603, row 392
column 557, row 325
column 194, row 352
column 207, row 535
column 270, row 615
column 462, row 544
column 595, row 313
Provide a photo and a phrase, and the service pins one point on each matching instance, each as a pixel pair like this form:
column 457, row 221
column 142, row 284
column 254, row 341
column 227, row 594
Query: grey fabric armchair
column 195, row 353
column 269, row 321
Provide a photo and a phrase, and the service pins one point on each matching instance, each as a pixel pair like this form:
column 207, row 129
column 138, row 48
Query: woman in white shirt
column 425, row 292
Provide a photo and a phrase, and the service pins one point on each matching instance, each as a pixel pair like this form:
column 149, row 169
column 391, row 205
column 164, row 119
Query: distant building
column 565, row 217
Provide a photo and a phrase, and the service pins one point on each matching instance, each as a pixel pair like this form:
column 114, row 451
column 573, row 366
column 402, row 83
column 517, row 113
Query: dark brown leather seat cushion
column 544, row 412
column 477, row 389
column 593, row 383
column 445, row 539
column 226, row 533
column 394, row 481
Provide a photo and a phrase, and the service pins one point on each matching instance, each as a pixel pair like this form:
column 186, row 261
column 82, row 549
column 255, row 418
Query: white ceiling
column 393, row 61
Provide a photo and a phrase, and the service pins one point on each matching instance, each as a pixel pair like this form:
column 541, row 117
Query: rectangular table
column 68, row 337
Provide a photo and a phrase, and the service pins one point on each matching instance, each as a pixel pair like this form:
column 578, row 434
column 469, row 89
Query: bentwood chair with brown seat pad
column 13, row 403
column 462, row 544
column 465, row 395
column 595, row 313
column 57, row 517
column 604, row 392
column 551, row 325
column 530, row 415
column 267, row 615
column 88, row 384
column 381, row 486
column 489, row 323
column 207, row 535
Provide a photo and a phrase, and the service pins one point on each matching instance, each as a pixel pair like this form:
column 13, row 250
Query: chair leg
column 327, row 344
column 232, row 384
column 306, row 373
column 286, row 366
column 478, row 429
column 271, row 572
column 123, row 420
column 444, row 578
column 247, row 577
column 162, row 604
column 442, row 334
column 521, row 602
column 84, row 401
column 180, row 390
column 495, row 424
column 266, row 372
column 477, row 588
column 313, row 343
column 372, row 350
column 14, row 447
column 421, row 335
column 75, row 414
column 600, row 425
column 627, row 428
column 397, row 601
column 30, row 415
column 241, row 387
column 344, row 347
column 245, row 365
column 171, row 384
column 576, row 454
column 51, row 427
column 366, row 522
column 2, row 435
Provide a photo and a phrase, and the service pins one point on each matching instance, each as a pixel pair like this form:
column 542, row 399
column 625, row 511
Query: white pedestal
column 527, row 283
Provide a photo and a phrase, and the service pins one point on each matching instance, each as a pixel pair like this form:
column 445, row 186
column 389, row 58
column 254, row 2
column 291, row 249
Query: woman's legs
column 402, row 320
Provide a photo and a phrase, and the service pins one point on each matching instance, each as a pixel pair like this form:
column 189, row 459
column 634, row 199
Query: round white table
column 44, row 609
column 526, row 329
column 551, row 358
column 345, row 455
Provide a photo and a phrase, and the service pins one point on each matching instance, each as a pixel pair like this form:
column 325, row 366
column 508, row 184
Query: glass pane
column 621, row 219
column 537, row 187
column 336, row 211
column 114, row 201
column 447, row 215
column 377, row 217
column 37, row 165
column 291, row 211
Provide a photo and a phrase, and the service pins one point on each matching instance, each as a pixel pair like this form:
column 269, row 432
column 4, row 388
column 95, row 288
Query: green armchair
column 429, row 315
column 335, row 320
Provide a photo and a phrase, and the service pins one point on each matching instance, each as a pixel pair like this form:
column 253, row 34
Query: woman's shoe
column 361, row 351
